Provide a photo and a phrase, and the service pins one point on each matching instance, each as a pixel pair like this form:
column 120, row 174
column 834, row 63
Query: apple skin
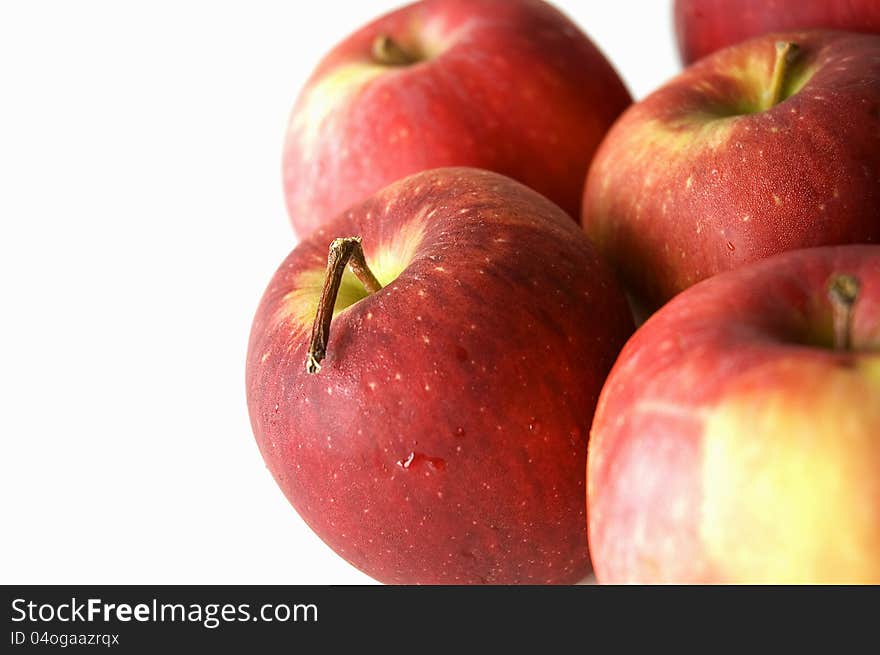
column 687, row 185
column 511, row 86
column 704, row 26
column 444, row 439
column 733, row 444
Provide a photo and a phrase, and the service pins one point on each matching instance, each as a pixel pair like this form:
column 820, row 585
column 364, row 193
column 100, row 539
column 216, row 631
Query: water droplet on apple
column 459, row 432
column 414, row 460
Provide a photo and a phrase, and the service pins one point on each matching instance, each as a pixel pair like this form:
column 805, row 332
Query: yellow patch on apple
column 790, row 482
column 327, row 94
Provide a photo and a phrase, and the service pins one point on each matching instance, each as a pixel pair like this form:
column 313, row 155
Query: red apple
column 704, row 26
column 767, row 146
column 507, row 85
column 443, row 438
column 737, row 438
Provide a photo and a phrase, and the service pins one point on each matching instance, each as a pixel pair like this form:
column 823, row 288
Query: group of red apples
column 444, row 376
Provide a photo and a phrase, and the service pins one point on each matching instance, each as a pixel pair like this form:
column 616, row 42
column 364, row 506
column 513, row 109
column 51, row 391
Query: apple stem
column 785, row 54
column 345, row 251
column 388, row 52
column 843, row 291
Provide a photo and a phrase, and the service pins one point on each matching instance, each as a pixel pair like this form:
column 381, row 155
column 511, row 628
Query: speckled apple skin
column 678, row 192
column 444, row 440
column 511, row 86
column 704, row 26
column 735, row 361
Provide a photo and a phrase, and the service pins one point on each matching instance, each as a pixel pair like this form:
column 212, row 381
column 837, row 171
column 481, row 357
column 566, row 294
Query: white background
column 142, row 216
